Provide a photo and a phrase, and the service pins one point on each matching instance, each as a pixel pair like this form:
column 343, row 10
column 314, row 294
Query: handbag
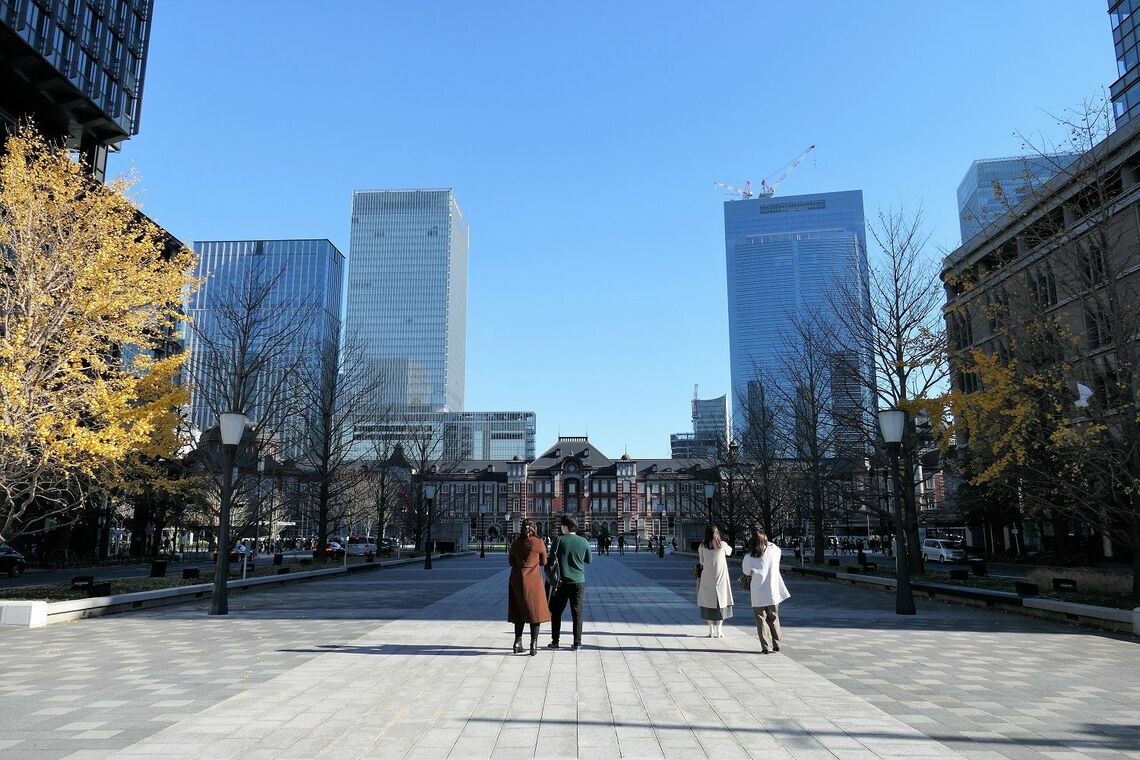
column 697, row 570
column 745, row 581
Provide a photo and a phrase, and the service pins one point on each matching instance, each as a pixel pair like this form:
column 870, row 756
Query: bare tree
column 814, row 429
column 248, row 354
column 334, row 391
column 764, row 446
column 893, row 343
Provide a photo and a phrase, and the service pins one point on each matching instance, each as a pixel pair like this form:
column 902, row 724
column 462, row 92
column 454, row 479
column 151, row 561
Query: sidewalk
column 326, row 670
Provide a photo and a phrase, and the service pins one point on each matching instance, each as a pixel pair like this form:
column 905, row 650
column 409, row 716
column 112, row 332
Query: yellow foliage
column 84, row 276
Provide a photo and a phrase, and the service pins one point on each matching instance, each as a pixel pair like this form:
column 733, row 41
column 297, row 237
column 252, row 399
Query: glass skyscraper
column 1125, row 91
column 407, row 294
column 77, row 66
column 306, row 275
column 1015, row 178
column 784, row 257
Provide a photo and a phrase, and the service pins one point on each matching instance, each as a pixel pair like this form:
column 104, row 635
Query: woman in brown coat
column 526, row 593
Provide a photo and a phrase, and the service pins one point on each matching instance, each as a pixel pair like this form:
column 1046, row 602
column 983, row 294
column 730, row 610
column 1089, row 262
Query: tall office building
column 712, row 431
column 407, row 294
column 1125, row 91
column 76, row 67
column 305, row 278
column 1015, row 179
column 784, row 257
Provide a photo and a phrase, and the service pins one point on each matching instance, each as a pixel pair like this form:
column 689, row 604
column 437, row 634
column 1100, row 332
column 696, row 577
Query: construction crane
column 767, row 189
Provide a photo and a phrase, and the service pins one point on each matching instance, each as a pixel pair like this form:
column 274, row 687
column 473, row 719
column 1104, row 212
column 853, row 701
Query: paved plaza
column 409, row 663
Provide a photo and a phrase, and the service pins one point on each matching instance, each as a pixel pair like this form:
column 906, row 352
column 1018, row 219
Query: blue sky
column 582, row 141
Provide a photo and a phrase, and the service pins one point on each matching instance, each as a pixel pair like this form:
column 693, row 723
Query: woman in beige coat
column 714, row 590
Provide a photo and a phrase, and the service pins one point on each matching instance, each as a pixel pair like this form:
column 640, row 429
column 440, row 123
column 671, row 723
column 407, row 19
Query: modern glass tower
column 307, row 277
column 407, row 294
column 1015, row 179
column 784, row 257
column 78, row 67
column 1125, row 91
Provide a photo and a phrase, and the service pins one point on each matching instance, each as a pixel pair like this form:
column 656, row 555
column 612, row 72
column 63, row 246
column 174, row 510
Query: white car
column 358, row 546
column 942, row 550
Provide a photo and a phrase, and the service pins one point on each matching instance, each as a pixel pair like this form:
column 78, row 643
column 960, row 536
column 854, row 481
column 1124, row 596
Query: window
column 1096, row 327
column 1091, row 264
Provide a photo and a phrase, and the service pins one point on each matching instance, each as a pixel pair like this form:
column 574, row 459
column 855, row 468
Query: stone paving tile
column 854, row 681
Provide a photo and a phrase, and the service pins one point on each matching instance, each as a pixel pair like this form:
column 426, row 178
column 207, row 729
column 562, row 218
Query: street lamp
column 710, row 492
column 231, row 425
column 429, row 497
column 661, row 529
column 891, row 424
column 482, row 531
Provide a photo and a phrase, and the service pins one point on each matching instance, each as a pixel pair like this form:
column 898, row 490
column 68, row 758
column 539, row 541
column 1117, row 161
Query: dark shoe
column 576, row 646
column 763, row 651
column 518, row 646
column 775, row 647
column 533, row 647
column 553, row 645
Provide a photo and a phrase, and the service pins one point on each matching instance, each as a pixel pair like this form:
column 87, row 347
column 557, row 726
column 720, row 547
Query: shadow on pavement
column 1102, row 737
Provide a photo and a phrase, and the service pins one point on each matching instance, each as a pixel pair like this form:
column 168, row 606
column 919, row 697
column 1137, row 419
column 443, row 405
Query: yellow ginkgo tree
column 83, row 276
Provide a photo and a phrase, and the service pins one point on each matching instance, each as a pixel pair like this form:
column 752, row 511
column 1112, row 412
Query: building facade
column 450, row 436
column 785, row 257
column 638, row 498
column 304, row 277
column 407, row 294
column 712, row 430
column 77, row 67
column 1068, row 257
column 993, row 185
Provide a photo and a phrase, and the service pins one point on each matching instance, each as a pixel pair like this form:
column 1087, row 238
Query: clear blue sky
column 582, row 141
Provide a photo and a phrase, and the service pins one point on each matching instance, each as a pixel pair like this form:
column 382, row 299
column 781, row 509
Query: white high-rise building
column 407, row 294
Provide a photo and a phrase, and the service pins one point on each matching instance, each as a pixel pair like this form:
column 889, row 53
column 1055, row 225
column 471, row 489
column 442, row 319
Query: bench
column 959, row 575
column 854, row 569
column 1027, row 589
column 189, row 573
column 833, row 562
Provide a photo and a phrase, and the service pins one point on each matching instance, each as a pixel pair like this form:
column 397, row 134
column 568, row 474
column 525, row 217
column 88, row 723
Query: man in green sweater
column 573, row 556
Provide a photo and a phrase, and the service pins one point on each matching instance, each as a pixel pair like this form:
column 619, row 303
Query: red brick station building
column 639, row 498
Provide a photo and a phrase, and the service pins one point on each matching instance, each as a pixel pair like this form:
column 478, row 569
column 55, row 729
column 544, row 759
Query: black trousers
column 572, row 593
column 519, row 629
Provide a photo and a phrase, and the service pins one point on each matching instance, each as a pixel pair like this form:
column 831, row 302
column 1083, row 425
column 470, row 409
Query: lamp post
column 710, row 492
column 231, row 425
column 482, row 532
column 891, row 424
column 661, row 530
column 429, row 497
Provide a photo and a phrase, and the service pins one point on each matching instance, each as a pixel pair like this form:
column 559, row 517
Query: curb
column 35, row 614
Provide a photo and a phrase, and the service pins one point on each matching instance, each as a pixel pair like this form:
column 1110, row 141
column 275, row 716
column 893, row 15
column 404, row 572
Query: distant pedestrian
column 573, row 555
column 714, row 589
column 526, row 596
column 621, row 543
column 762, row 564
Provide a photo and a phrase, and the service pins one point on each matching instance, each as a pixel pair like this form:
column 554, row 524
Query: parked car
column 332, row 549
column 943, row 550
column 359, row 546
column 11, row 561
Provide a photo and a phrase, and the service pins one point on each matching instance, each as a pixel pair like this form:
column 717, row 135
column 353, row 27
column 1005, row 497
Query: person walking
column 526, row 595
column 762, row 564
column 621, row 543
column 714, row 589
column 572, row 557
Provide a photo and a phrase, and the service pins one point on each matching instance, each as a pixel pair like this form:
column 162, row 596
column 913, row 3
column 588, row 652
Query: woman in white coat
column 762, row 562
column 714, row 590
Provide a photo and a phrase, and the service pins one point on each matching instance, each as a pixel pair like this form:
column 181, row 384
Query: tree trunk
column 323, row 519
column 817, row 521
